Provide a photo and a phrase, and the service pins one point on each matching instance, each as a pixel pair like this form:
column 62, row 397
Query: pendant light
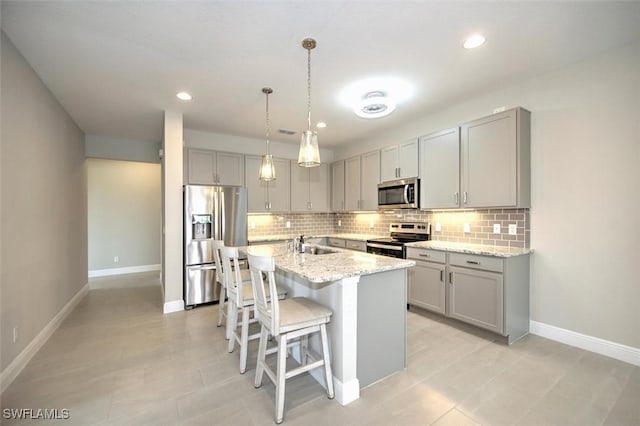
column 309, row 153
column 267, row 171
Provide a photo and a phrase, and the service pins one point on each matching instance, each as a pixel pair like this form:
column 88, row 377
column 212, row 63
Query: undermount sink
column 318, row 250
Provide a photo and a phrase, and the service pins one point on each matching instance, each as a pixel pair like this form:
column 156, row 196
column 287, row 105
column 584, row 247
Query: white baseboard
column 173, row 306
column 593, row 344
column 121, row 271
column 12, row 370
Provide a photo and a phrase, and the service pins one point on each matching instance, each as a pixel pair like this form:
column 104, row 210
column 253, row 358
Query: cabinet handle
column 457, row 197
column 451, row 278
column 464, row 197
column 441, row 275
column 399, row 173
column 424, row 255
column 473, row 262
column 266, row 205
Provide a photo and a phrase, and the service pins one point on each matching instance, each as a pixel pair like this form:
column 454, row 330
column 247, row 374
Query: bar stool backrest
column 217, row 245
column 232, row 275
column 268, row 314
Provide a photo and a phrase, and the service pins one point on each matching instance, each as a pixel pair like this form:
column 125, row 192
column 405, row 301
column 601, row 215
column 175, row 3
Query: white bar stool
column 241, row 300
column 286, row 320
column 223, row 306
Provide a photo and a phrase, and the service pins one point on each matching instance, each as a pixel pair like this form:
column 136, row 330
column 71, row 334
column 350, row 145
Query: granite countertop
column 329, row 267
column 481, row 249
column 356, row 237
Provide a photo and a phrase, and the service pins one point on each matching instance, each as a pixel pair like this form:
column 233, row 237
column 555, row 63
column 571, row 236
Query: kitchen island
column 367, row 294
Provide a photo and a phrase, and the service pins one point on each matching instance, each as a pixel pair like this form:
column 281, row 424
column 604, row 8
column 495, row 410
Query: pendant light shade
column 267, row 170
column 309, row 155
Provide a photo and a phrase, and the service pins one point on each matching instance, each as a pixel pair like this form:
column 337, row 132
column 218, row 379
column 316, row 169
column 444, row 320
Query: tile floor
column 116, row 360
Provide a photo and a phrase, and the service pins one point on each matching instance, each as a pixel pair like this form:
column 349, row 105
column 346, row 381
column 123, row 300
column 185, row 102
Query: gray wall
column 44, row 219
column 123, row 213
column 585, row 199
column 121, row 149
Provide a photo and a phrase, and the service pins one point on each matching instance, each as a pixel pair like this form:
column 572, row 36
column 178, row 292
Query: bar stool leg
column 222, row 304
column 244, row 339
column 328, row 375
column 262, row 354
column 280, row 385
column 233, row 321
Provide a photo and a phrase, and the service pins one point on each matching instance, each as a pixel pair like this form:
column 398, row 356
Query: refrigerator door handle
column 222, row 217
column 216, row 208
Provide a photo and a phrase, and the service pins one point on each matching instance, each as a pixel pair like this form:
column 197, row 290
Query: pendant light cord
column 309, row 88
column 267, row 122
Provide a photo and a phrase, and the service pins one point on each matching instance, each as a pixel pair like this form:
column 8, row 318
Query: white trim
column 346, row 392
column 583, row 341
column 173, row 306
column 19, row 362
column 121, row 271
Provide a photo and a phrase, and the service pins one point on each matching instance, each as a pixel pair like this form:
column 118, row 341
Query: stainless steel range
column 400, row 234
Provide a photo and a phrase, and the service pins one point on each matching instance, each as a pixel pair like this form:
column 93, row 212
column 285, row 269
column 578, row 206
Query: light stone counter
column 319, row 268
column 280, row 237
column 472, row 248
column 356, row 237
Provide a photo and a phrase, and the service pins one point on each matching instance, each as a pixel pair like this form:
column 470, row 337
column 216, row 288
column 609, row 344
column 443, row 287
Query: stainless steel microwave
column 399, row 194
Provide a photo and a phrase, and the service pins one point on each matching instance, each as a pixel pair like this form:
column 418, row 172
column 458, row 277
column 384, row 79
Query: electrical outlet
column 496, row 228
column 339, row 222
column 371, row 224
column 116, row 259
column 253, row 225
column 438, row 227
column 15, row 334
column 287, row 225
column 513, row 229
column 467, row 228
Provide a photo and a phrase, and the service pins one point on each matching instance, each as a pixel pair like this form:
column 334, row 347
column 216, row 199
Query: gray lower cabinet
column 427, row 288
column 485, row 291
column 349, row 244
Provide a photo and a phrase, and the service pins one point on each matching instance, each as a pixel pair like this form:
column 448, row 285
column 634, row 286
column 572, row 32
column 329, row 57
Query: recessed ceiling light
column 321, row 125
column 184, row 96
column 474, row 41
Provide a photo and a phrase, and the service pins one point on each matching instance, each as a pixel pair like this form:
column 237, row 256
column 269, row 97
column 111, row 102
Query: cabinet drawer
column 336, row 242
column 473, row 261
column 356, row 245
column 426, row 254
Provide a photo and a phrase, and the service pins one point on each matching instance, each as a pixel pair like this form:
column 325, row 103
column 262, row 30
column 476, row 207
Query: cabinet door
column 337, row 186
column 476, row 297
column 256, row 189
column 370, row 179
column 202, row 167
column 408, row 159
column 230, row 168
column 427, row 286
column 489, row 175
column 440, row 170
column 299, row 188
column 279, row 190
column 352, row 184
column 319, row 188
column 389, row 163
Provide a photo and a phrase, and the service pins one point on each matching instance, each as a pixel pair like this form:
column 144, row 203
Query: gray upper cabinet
column 352, row 184
column 440, row 170
column 337, row 186
column 495, row 160
column 214, row 168
column 370, row 179
column 399, row 161
column 271, row 196
column 309, row 188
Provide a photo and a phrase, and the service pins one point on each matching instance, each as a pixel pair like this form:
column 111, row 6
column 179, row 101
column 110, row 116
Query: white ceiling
column 115, row 66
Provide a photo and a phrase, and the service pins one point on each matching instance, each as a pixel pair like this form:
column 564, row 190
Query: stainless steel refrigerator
column 210, row 213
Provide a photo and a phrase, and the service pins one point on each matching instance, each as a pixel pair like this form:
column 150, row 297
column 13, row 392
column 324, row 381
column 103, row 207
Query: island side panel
column 341, row 297
column 382, row 325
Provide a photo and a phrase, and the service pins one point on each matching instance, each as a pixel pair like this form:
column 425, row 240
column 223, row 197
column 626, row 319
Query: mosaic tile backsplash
column 451, row 223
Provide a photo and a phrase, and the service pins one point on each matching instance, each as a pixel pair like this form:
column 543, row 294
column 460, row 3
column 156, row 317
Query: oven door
column 385, row 249
column 398, row 194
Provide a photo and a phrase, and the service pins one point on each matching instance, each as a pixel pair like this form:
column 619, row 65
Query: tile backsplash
column 451, row 223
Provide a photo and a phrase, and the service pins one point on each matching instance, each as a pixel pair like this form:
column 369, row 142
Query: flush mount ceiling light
column 309, row 155
column 184, row 96
column 267, row 170
column 375, row 105
column 375, row 97
column 474, row 41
